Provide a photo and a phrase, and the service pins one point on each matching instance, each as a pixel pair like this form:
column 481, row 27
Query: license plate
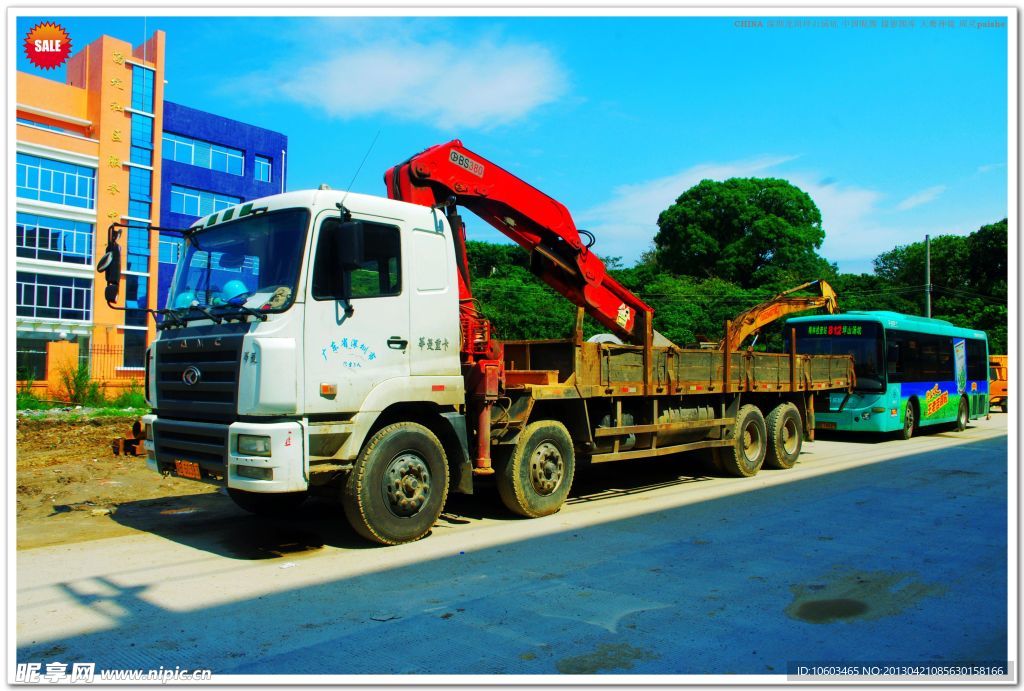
column 826, row 425
column 188, row 469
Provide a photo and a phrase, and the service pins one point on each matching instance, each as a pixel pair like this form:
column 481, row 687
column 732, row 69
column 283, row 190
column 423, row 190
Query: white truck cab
column 295, row 325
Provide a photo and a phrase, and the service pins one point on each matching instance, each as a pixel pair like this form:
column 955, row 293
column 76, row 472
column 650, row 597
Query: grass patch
column 132, row 397
column 78, row 387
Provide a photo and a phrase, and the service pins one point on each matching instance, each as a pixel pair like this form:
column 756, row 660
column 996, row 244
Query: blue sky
column 894, row 132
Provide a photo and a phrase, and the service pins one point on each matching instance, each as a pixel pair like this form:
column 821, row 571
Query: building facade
column 106, row 147
column 210, row 163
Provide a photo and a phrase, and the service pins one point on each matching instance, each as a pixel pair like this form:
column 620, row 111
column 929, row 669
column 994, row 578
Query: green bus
column 911, row 371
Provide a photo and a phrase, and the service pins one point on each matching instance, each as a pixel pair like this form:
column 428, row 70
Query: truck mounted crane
column 320, row 342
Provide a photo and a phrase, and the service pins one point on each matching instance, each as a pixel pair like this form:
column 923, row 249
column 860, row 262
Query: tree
column 748, row 231
column 968, row 275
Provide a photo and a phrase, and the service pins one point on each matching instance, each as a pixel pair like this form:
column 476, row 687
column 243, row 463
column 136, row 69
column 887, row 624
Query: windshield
column 253, row 262
column 861, row 340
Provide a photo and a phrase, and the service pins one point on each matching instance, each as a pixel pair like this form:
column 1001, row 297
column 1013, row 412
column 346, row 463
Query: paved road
column 867, row 552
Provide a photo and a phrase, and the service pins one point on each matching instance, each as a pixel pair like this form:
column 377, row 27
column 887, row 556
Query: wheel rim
column 751, row 442
column 406, row 484
column 790, row 437
column 546, row 468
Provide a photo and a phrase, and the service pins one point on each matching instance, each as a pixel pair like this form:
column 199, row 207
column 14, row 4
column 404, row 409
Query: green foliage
column 25, row 399
column 693, row 290
column 968, row 275
column 78, row 387
column 132, row 397
column 749, row 231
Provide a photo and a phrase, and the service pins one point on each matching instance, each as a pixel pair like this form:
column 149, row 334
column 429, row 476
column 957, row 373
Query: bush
column 25, row 399
column 79, row 388
column 132, row 397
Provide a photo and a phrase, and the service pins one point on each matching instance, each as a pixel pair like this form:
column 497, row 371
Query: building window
column 139, row 198
column 263, row 169
column 136, row 289
column 142, row 89
column 142, row 140
column 138, row 248
column 53, row 297
column 134, row 348
column 170, row 250
column 193, row 202
column 43, row 125
column 53, row 239
column 58, row 182
column 196, row 152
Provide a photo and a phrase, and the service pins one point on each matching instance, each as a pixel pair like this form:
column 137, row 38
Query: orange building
column 86, row 153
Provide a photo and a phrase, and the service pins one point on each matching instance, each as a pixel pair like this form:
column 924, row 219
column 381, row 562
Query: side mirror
column 110, row 266
column 349, row 245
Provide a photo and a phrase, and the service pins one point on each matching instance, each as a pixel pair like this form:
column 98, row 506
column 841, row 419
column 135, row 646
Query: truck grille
column 198, row 377
column 204, row 444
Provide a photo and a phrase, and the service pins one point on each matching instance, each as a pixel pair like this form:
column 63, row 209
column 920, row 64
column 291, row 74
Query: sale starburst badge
column 47, row 45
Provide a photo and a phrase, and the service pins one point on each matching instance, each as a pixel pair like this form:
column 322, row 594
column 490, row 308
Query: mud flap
column 459, row 465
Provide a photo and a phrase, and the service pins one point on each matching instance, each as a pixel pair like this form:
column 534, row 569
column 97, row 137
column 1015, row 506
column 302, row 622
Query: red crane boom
column 450, row 174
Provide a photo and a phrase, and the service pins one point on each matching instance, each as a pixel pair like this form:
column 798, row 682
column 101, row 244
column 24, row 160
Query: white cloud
column 483, row 84
column 922, row 197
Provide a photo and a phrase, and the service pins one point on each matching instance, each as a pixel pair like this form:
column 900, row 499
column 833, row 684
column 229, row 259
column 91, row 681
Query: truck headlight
column 253, row 445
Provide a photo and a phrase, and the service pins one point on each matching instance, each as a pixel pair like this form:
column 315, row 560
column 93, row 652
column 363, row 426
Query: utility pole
column 927, row 276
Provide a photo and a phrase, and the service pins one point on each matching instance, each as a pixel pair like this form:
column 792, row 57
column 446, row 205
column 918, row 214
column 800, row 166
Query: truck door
column 356, row 344
column 434, row 317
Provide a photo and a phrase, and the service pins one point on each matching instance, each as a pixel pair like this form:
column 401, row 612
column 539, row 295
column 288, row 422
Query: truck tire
column 963, row 414
column 280, row 505
column 535, row 478
column 745, row 456
column 910, row 419
column 398, row 486
column 785, row 436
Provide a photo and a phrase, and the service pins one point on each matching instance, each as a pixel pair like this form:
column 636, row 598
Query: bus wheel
column 1004, row 406
column 745, row 456
column 535, row 478
column 963, row 414
column 784, row 436
column 396, row 490
column 910, row 419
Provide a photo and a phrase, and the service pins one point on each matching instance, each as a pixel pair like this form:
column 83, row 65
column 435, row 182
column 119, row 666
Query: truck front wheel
column 535, row 478
column 397, row 489
column 279, row 505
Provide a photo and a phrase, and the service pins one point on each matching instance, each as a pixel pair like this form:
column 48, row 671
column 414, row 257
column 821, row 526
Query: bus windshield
column 862, row 340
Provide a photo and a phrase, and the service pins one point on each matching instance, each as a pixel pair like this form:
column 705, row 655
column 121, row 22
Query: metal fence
column 105, row 363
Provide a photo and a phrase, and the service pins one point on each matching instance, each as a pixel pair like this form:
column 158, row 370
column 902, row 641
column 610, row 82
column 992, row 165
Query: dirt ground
column 71, row 487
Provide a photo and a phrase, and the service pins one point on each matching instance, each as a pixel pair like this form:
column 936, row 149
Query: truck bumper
column 214, row 448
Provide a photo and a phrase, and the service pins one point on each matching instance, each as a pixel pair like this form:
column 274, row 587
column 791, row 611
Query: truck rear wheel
column 785, row 437
column 535, row 478
column 745, row 456
column 279, row 505
column 397, row 489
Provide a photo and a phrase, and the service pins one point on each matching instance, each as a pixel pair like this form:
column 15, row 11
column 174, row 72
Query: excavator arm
column 783, row 304
column 450, row 174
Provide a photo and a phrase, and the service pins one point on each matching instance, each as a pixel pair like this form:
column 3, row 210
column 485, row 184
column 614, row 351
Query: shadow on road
column 918, row 541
